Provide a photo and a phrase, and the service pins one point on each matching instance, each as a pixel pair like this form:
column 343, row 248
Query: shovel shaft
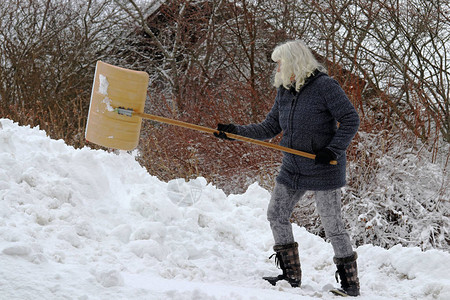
column 230, row 135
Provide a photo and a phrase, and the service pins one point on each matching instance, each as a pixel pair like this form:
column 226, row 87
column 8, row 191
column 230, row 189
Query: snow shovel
column 116, row 111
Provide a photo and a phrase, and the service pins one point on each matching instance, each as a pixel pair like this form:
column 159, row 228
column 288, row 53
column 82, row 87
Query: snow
column 109, row 107
column 90, row 224
column 103, row 89
column 103, row 84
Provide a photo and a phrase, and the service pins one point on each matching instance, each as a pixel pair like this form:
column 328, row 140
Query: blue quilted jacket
column 309, row 122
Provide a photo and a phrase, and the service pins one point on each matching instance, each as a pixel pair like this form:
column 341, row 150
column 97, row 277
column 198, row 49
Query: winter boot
column 348, row 273
column 286, row 257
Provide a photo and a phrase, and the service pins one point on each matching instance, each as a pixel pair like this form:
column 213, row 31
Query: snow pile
column 88, row 224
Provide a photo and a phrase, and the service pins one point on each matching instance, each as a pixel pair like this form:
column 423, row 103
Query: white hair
column 296, row 61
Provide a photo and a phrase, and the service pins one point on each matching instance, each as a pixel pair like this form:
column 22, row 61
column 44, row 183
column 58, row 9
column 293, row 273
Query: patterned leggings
column 328, row 205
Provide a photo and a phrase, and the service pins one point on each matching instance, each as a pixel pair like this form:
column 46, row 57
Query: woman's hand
column 324, row 156
column 222, row 128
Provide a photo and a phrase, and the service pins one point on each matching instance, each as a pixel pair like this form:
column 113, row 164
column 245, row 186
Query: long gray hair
column 296, row 60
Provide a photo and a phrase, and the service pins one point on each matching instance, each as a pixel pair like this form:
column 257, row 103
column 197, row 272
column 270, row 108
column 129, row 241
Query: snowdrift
column 88, row 224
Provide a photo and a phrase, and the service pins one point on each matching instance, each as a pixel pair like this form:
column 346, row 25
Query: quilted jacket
column 309, row 122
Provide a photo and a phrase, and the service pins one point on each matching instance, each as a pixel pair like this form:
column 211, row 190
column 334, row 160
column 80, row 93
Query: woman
column 308, row 106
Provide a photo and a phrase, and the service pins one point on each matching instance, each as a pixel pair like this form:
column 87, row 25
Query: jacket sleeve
column 343, row 111
column 265, row 130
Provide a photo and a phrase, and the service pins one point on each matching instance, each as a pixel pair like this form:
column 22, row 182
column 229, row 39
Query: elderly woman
column 308, row 108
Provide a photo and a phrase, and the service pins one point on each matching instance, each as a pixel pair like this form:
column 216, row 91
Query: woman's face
column 279, row 70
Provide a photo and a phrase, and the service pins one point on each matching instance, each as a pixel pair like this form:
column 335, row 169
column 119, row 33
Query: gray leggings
column 328, row 205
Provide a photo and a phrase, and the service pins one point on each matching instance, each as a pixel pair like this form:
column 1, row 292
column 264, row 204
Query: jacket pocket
column 319, row 142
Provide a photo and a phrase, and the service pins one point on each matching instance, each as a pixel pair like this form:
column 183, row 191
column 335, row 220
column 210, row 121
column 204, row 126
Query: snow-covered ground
column 88, row 224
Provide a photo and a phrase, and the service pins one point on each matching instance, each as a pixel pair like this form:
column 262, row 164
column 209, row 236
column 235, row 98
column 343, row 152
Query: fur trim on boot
column 347, row 270
column 288, row 260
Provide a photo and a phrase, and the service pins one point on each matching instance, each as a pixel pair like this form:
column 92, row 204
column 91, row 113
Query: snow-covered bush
column 395, row 194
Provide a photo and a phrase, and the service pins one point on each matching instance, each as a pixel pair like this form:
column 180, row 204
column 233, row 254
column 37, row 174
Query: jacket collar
column 314, row 75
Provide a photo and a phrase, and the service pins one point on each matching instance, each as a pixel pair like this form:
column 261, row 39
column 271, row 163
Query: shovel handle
column 230, row 135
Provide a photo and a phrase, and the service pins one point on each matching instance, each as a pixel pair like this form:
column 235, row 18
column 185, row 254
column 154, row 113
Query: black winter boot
column 347, row 270
column 288, row 260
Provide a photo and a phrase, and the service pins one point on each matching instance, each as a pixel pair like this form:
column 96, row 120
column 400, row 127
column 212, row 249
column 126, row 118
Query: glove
column 222, row 128
column 324, row 156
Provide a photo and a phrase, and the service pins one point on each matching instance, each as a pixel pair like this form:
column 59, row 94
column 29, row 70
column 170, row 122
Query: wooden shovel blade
column 116, row 87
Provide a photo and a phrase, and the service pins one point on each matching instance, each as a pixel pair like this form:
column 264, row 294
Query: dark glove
column 222, row 128
column 324, row 156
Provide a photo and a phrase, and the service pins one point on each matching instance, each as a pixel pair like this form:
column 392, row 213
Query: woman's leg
column 328, row 205
column 279, row 213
